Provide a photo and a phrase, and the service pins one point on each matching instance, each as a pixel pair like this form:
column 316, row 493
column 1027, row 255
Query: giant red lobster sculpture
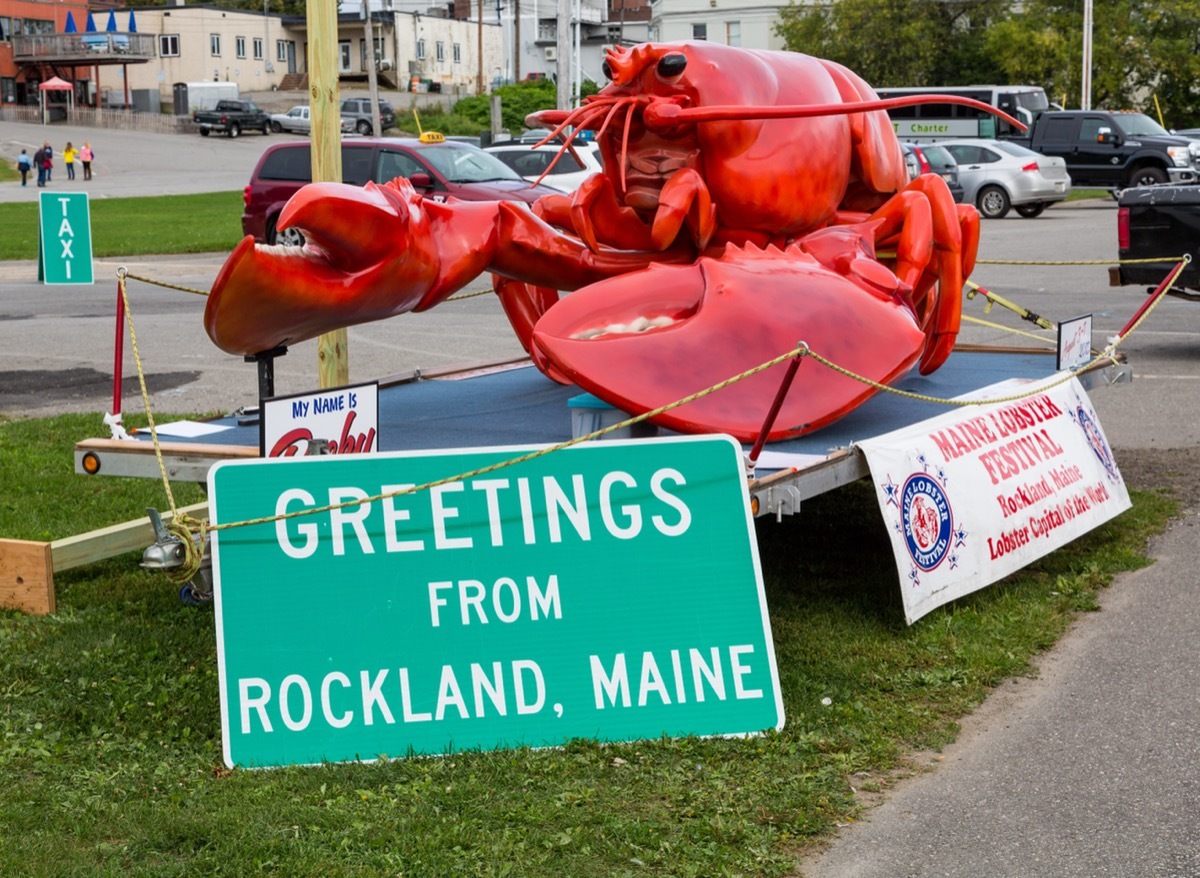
column 750, row 200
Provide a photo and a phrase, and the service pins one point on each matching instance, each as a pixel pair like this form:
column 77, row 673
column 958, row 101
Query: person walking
column 85, row 157
column 69, row 154
column 39, row 162
column 48, row 159
column 24, row 165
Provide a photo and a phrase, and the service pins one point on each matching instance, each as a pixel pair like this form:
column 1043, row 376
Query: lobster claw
column 653, row 337
column 266, row 296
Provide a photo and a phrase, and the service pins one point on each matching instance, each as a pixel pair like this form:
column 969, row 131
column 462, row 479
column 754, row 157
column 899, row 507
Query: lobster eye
column 672, row 66
column 607, row 71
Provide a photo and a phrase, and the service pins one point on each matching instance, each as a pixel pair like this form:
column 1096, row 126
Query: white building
column 198, row 43
column 744, row 23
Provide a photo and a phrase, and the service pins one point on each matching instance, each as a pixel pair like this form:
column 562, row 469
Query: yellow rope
column 184, row 524
column 160, row 283
column 1076, row 261
column 979, row 321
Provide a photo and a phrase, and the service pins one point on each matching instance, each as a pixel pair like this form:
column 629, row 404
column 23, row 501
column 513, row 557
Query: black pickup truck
column 232, row 118
column 1106, row 150
column 1154, row 222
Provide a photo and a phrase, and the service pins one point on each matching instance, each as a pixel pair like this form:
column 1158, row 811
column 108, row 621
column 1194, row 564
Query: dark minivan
column 439, row 170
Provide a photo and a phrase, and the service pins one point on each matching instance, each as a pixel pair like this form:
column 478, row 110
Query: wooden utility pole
column 372, row 80
column 516, row 46
column 479, row 78
column 333, row 355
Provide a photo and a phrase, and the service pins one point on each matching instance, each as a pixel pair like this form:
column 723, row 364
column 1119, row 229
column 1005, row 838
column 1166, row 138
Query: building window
column 281, row 50
column 8, row 90
column 733, row 33
column 420, row 50
column 440, row 51
column 214, row 45
column 168, row 45
column 547, row 30
column 239, row 47
column 258, row 48
column 32, row 27
column 6, row 31
column 458, row 53
column 699, row 31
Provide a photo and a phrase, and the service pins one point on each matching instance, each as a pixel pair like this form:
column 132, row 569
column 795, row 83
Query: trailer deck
column 513, row 404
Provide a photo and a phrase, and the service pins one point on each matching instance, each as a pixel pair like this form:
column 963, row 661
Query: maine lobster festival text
column 1016, row 451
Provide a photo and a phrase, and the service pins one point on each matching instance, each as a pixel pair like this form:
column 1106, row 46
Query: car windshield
column 1139, row 125
column 464, row 164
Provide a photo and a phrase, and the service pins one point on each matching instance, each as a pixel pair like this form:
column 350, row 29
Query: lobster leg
column 936, row 244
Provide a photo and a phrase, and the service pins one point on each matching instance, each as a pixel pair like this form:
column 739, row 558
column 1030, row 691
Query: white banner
column 974, row 494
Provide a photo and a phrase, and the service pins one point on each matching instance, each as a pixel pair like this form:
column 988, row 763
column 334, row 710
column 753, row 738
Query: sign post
column 65, row 239
column 610, row 591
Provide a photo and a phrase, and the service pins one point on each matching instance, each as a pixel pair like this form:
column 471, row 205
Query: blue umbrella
column 112, row 22
column 69, row 27
column 91, row 24
column 132, row 23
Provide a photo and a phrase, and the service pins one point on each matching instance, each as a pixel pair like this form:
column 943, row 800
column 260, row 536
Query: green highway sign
column 65, row 243
column 610, row 591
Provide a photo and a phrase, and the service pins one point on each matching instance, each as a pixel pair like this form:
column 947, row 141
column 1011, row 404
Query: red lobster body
column 711, row 154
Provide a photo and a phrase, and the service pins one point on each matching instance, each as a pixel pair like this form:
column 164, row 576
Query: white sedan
column 997, row 175
column 531, row 162
column 297, row 120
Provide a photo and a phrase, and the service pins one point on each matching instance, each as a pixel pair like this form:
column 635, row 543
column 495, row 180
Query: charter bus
column 943, row 121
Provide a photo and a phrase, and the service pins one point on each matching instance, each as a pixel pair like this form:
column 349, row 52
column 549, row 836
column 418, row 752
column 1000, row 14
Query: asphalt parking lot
column 1089, row 770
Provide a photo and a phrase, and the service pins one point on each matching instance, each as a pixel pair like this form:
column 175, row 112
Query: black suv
column 360, row 110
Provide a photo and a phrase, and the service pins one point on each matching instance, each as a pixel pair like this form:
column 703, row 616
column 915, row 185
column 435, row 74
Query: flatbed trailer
column 512, row 404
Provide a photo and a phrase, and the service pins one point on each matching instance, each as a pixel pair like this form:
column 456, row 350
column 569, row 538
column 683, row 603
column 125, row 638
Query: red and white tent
column 56, row 83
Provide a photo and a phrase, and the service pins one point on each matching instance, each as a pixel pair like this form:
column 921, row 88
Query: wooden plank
column 26, row 576
column 109, row 542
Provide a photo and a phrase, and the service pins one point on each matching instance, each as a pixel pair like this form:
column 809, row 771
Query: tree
column 1141, row 49
column 897, row 42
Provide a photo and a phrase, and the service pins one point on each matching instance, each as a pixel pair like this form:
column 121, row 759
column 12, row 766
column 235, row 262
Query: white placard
column 347, row 418
column 1074, row 343
column 975, row 494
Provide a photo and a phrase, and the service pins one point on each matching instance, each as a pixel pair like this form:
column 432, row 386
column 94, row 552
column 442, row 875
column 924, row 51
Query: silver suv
column 360, row 110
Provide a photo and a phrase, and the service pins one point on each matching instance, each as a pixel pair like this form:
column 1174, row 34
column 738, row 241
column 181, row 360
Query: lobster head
column 715, row 109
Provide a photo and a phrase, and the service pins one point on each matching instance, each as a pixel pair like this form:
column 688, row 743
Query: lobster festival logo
column 1095, row 438
column 926, row 521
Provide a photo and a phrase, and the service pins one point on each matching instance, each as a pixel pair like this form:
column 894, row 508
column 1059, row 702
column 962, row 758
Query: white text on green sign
column 611, row 591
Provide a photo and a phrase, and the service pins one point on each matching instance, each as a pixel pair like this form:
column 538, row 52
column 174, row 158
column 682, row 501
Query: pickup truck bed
column 1158, row 221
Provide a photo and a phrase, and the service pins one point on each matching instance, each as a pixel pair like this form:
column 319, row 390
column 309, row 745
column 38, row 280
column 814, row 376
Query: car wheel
column 276, row 127
column 289, row 237
column 364, row 127
column 1029, row 211
column 993, row 202
column 204, row 132
column 234, row 129
column 266, row 129
column 1148, row 177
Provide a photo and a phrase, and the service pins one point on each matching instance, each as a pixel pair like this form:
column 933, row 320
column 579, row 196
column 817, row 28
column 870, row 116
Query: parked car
column 359, row 109
column 997, row 175
column 297, row 120
column 934, row 159
column 530, row 162
column 436, row 170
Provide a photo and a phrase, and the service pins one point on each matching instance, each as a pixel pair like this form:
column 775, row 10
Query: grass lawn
column 110, row 745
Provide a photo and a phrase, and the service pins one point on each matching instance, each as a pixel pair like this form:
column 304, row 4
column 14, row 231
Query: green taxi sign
column 65, row 238
column 611, row 591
